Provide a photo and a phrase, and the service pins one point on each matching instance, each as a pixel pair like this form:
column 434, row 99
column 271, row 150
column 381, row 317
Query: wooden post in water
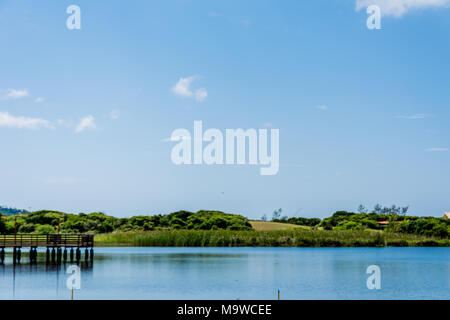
column 78, row 255
column 58, row 255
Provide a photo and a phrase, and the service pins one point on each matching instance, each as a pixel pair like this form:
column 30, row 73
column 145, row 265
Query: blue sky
column 363, row 114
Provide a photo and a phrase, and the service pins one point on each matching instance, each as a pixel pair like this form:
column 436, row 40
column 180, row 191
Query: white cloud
column 397, row 8
column 86, row 123
column 183, row 88
column 114, row 115
column 15, row 94
column 414, row 116
column 10, row 121
column 323, row 108
column 438, row 149
column 39, row 100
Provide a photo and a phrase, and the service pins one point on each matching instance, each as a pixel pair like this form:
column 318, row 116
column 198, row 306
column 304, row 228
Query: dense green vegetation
column 215, row 228
column 286, row 238
column 46, row 222
column 425, row 226
column 394, row 218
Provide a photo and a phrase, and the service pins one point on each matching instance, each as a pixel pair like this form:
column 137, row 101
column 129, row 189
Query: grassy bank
column 273, row 226
column 284, row 238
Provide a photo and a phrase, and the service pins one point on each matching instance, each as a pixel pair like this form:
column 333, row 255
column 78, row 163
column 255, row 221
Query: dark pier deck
column 56, row 245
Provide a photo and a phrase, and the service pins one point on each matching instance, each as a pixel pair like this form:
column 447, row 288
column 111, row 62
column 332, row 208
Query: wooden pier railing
column 49, row 241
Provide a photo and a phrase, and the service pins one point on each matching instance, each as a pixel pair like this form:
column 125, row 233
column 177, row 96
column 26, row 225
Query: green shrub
column 44, row 229
column 350, row 225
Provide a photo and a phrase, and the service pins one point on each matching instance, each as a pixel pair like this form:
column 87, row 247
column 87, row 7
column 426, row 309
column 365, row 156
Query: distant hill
column 11, row 211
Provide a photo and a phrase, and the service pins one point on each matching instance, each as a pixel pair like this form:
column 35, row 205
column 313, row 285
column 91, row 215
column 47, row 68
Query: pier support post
column 47, row 255
column 53, row 255
column 19, row 255
column 65, row 255
column 78, row 255
column 92, row 255
column 2, row 255
column 71, row 255
column 59, row 255
column 14, row 255
column 86, row 255
column 31, row 255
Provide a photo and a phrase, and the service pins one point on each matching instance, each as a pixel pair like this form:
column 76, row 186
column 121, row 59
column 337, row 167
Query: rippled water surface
column 236, row 273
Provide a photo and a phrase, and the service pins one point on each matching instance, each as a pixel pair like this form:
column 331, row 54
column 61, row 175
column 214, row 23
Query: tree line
column 394, row 218
column 48, row 222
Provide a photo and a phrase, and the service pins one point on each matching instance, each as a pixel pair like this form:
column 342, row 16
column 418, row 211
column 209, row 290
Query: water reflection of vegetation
column 42, row 266
column 168, row 257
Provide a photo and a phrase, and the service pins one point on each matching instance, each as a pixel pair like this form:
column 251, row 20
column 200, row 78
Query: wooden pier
column 56, row 246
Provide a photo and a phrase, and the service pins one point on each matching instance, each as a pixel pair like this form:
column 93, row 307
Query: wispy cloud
column 201, row 94
column 183, row 88
column 39, row 100
column 15, row 94
column 438, row 149
column 414, row 116
column 322, row 107
column 10, row 121
column 114, row 115
column 398, row 8
column 86, row 123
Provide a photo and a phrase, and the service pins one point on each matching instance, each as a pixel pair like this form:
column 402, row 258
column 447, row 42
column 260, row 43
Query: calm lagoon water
column 237, row 273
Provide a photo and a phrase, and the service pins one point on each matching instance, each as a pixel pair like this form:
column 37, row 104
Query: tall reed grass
column 285, row 238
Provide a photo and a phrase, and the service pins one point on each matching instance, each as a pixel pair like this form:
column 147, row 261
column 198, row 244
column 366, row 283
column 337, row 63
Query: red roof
column 383, row 222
